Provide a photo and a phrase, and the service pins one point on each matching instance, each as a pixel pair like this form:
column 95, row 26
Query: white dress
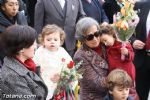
column 51, row 63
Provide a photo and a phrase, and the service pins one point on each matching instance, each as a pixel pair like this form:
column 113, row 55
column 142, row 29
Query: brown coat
column 92, row 85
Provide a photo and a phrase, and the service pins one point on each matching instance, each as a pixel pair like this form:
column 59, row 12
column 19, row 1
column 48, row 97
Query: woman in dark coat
column 94, row 66
column 9, row 15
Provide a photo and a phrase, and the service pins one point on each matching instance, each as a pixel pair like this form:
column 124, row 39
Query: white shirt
column 62, row 3
column 148, row 23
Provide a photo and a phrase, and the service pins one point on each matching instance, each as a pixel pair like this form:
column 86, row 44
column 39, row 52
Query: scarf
column 29, row 64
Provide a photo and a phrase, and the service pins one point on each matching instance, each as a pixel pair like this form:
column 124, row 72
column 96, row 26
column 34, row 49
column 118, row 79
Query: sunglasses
column 91, row 36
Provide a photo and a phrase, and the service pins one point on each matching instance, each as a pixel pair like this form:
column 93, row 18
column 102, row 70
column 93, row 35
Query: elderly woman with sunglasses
column 94, row 66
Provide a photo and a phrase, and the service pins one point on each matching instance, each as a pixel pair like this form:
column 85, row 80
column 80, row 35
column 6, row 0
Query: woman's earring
column 21, row 51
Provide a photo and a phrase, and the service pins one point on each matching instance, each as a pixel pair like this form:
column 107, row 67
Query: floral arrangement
column 126, row 20
column 69, row 77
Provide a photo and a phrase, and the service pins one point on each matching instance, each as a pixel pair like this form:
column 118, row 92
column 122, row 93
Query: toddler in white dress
column 50, row 55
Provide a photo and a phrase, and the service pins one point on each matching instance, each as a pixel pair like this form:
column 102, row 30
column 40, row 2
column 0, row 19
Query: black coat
column 141, row 34
column 94, row 10
column 111, row 7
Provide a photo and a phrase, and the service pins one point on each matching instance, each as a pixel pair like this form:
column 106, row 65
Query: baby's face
column 119, row 93
column 52, row 41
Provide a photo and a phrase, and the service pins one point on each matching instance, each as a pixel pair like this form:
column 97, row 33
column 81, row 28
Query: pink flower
column 134, row 22
column 63, row 59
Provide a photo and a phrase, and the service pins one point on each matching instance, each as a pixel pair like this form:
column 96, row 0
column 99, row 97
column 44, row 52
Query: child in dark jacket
column 118, row 83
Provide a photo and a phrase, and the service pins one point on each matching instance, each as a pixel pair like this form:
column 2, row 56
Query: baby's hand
column 124, row 51
column 55, row 78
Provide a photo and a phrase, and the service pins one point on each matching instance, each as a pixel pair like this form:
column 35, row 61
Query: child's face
column 119, row 93
column 52, row 41
column 108, row 40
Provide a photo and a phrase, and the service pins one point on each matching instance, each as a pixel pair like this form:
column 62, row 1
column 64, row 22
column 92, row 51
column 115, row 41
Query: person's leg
column 142, row 83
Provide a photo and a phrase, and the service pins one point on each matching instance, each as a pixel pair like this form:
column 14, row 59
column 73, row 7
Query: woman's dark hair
column 2, row 2
column 17, row 37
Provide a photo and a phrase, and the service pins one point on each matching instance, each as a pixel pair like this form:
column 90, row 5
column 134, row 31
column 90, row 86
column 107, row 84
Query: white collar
column 148, row 23
column 62, row 3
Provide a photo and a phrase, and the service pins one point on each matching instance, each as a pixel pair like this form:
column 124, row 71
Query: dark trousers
column 143, row 79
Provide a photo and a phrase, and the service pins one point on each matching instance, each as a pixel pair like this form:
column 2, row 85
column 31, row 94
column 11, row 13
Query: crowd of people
column 34, row 39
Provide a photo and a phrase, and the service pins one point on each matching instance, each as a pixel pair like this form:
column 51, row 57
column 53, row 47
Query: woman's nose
column 15, row 7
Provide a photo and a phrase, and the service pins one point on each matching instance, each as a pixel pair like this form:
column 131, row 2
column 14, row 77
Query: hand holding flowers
column 55, row 78
column 69, row 77
column 124, row 51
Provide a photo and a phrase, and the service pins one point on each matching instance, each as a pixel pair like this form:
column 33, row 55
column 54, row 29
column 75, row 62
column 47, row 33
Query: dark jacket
column 95, row 70
column 141, row 34
column 5, row 21
column 111, row 7
column 94, row 10
column 18, row 80
column 109, row 97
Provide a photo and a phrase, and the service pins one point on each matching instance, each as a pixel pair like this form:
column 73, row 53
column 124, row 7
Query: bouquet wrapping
column 69, row 77
column 125, row 22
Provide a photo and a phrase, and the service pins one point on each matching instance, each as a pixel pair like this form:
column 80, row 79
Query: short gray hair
column 83, row 25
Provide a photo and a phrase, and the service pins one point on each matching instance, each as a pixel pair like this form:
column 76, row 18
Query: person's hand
column 124, row 51
column 137, row 44
column 55, row 78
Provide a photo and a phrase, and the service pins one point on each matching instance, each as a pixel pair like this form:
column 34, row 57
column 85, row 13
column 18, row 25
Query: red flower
column 59, row 96
column 71, row 64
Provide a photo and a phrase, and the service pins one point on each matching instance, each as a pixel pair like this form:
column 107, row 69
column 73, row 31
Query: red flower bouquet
column 69, row 77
